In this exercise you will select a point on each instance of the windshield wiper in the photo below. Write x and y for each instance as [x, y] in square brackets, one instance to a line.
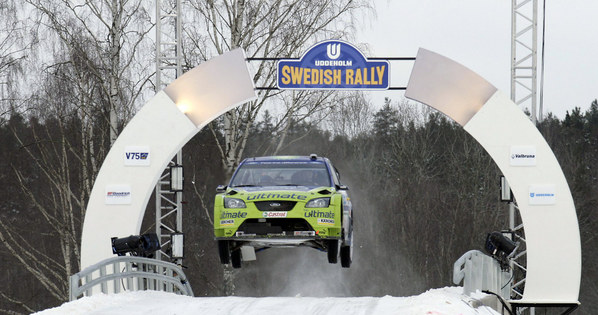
[248, 185]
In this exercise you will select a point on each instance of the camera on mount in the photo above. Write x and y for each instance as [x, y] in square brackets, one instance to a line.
[500, 248]
[136, 245]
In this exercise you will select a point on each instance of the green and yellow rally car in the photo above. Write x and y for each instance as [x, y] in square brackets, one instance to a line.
[282, 201]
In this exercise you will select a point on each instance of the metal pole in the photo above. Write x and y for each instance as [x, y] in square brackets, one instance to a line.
[523, 75]
[168, 58]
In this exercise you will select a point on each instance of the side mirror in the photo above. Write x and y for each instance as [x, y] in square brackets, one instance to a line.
[220, 189]
[342, 187]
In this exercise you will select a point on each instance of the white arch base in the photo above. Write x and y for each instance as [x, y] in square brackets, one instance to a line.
[538, 183]
[158, 131]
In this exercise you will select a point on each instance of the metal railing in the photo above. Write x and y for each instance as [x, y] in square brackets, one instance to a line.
[129, 273]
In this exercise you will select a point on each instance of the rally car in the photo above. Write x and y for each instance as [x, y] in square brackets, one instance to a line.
[282, 201]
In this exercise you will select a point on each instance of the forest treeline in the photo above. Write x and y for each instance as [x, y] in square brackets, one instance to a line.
[424, 193]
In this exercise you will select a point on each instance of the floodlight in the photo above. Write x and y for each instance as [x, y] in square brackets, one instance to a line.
[506, 195]
[176, 178]
[177, 241]
[136, 245]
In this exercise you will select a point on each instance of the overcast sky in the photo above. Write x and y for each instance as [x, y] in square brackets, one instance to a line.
[477, 34]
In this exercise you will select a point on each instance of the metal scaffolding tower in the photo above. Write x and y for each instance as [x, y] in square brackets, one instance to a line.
[169, 210]
[524, 34]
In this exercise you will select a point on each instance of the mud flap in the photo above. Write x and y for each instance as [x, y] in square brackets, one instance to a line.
[248, 253]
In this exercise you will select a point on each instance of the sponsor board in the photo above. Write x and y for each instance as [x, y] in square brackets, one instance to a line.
[326, 221]
[118, 194]
[227, 222]
[137, 156]
[274, 214]
[333, 64]
[542, 195]
[523, 155]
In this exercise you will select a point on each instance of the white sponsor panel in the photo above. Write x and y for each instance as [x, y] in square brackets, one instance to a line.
[326, 221]
[275, 214]
[137, 156]
[523, 155]
[542, 194]
[118, 194]
[227, 222]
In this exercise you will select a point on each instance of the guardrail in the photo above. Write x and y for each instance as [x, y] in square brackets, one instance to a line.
[129, 273]
[479, 271]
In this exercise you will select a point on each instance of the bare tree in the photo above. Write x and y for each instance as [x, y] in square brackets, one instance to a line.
[12, 52]
[90, 74]
[277, 28]
[113, 31]
[351, 116]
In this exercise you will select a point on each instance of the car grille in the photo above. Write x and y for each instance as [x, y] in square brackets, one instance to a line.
[275, 205]
[274, 226]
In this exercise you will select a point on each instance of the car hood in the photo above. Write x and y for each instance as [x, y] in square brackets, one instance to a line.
[278, 192]
[272, 188]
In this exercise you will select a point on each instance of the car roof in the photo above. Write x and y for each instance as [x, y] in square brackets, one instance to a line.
[289, 158]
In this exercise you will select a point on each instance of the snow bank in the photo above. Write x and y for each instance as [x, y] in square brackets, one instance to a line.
[443, 301]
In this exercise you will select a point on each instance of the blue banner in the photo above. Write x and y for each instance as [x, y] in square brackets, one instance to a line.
[332, 64]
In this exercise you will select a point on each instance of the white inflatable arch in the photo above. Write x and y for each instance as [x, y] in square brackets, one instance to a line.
[522, 154]
[165, 124]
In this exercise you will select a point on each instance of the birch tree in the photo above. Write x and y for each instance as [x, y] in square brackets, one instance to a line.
[86, 75]
[12, 53]
[265, 28]
[113, 31]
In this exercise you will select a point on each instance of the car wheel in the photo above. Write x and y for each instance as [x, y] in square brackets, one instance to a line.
[346, 256]
[332, 249]
[224, 251]
[235, 257]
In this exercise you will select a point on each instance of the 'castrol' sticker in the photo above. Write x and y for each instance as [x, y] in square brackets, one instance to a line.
[275, 214]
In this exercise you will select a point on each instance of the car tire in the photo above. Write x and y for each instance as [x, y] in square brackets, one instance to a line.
[224, 251]
[332, 249]
[346, 258]
[235, 257]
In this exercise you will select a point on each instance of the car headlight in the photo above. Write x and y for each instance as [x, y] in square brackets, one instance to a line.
[234, 203]
[318, 203]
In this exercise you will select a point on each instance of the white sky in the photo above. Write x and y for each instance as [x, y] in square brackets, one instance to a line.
[477, 34]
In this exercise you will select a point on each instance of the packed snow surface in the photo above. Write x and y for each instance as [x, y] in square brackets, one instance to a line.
[443, 301]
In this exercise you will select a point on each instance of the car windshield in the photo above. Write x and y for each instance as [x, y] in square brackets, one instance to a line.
[281, 173]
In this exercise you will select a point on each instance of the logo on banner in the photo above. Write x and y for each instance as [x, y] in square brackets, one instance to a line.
[118, 195]
[333, 64]
[333, 51]
[137, 156]
[542, 195]
[523, 156]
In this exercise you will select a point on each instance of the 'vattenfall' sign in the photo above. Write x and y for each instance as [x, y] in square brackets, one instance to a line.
[332, 64]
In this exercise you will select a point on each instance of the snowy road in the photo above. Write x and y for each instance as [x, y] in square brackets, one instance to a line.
[433, 302]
